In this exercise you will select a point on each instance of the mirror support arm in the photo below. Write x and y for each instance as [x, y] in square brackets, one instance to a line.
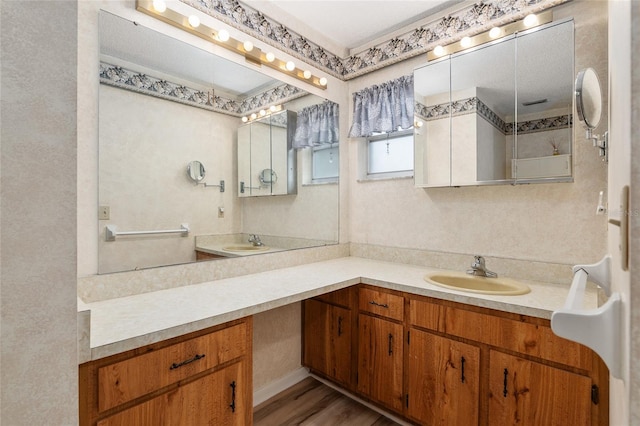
[601, 144]
[221, 185]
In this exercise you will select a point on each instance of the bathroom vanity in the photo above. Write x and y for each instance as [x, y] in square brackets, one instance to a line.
[375, 329]
[438, 362]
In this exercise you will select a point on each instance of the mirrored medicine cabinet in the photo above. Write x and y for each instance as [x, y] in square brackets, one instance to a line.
[266, 157]
[500, 113]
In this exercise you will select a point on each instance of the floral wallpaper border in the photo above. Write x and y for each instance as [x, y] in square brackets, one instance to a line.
[475, 105]
[471, 19]
[127, 79]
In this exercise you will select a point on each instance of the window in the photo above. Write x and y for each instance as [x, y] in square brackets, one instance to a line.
[325, 163]
[391, 154]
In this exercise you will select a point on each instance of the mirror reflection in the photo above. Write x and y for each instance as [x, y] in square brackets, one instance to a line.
[164, 103]
[499, 113]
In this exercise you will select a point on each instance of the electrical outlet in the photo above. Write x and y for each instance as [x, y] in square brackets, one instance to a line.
[220, 212]
[103, 212]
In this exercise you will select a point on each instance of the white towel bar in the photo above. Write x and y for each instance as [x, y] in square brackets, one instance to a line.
[110, 232]
[599, 328]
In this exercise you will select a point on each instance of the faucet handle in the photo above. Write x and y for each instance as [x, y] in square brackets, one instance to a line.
[478, 261]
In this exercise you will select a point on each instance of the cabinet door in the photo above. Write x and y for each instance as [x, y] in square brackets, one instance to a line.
[443, 380]
[380, 360]
[217, 399]
[523, 392]
[327, 342]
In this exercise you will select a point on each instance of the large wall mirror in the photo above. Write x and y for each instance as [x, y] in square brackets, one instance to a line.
[498, 114]
[165, 107]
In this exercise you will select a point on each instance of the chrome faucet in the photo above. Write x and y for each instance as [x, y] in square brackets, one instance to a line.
[479, 269]
[255, 240]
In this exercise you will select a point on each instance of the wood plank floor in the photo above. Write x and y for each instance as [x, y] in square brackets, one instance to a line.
[311, 403]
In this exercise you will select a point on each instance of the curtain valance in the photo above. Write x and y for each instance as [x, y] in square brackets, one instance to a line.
[387, 107]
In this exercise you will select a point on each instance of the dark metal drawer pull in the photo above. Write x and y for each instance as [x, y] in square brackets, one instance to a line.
[505, 392]
[390, 344]
[233, 397]
[378, 304]
[339, 326]
[195, 358]
[462, 378]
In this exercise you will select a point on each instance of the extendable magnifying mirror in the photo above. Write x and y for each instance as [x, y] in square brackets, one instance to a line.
[195, 171]
[589, 107]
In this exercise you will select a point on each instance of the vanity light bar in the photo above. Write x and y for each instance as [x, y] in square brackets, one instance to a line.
[528, 22]
[262, 113]
[252, 54]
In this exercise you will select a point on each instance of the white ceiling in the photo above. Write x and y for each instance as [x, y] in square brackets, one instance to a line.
[349, 23]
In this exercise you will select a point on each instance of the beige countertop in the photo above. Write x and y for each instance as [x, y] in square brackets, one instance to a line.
[125, 323]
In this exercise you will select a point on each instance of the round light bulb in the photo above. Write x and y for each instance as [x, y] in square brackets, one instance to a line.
[248, 46]
[223, 35]
[306, 74]
[263, 113]
[290, 66]
[270, 57]
[254, 116]
[159, 5]
[495, 32]
[323, 81]
[194, 21]
[438, 51]
[530, 20]
[465, 42]
[273, 108]
[245, 119]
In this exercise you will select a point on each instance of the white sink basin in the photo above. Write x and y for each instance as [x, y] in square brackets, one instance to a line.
[475, 284]
[245, 247]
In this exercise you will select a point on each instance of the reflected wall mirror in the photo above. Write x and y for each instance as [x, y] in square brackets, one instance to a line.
[500, 113]
[163, 103]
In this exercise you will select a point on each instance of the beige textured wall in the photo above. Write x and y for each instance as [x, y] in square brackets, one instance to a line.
[543, 222]
[277, 344]
[38, 334]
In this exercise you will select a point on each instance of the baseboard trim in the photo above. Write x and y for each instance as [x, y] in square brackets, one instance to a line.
[365, 403]
[277, 386]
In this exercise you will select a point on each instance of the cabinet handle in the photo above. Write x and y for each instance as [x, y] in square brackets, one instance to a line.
[233, 397]
[189, 361]
[506, 376]
[373, 302]
[339, 326]
[462, 361]
[390, 344]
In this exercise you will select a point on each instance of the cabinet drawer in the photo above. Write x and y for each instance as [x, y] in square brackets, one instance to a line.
[382, 303]
[339, 297]
[518, 336]
[129, 379]
[425, 314]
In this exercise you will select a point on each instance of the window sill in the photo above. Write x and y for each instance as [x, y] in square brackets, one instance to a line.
[383, 178]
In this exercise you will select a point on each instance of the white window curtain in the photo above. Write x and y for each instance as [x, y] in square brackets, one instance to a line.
[317, 125]
[386, 108]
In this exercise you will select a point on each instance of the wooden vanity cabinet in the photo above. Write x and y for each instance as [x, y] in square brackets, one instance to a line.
[529, 393]
[443, 380]
[524, 374]
[433, 361]
[327, 346]
[202, 378]
[380, 355]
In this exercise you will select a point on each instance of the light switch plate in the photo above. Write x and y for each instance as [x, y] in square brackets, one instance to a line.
[103, 212]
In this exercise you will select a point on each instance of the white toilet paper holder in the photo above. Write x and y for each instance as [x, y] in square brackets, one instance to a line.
[599, 328]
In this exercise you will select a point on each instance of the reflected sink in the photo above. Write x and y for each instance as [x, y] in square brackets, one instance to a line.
[245, 247]
[475, 284]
